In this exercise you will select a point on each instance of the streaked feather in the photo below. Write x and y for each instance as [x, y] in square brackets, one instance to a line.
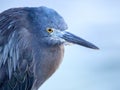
[13, 66]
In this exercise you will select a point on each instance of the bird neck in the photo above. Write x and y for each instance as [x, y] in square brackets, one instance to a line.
[47, 60]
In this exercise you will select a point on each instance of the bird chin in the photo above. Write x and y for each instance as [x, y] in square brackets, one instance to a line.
[64, 42]
[60, 41]
[67, 43]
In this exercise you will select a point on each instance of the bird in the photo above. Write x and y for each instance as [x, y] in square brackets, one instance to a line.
[32, 41]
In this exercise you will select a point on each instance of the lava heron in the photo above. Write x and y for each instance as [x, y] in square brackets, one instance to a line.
[32, 43]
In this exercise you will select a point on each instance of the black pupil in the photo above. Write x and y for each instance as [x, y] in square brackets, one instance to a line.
[50, 30]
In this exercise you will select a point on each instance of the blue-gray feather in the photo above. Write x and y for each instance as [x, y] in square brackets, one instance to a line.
[24, 51]
[14, 73]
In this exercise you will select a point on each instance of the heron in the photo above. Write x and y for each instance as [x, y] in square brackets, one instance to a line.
[32, 41]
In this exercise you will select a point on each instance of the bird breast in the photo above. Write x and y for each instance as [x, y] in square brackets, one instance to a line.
[48, 63]
[52, 59]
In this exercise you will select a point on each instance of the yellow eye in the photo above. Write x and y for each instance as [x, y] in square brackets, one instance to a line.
[50, 30]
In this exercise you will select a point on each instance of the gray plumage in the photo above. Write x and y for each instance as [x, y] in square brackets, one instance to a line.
[32, 46]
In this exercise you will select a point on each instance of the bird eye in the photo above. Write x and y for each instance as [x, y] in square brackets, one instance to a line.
[50, 30]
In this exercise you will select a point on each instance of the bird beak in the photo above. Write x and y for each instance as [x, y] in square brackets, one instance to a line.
[71, 38]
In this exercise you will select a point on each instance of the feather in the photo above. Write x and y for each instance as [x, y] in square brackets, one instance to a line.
[12, 45]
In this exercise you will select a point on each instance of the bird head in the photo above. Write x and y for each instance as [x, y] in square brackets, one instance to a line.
[51, 28]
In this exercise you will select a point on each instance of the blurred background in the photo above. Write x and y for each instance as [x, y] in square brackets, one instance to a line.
[97, 21]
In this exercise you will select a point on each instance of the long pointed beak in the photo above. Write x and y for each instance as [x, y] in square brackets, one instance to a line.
[71, 38]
